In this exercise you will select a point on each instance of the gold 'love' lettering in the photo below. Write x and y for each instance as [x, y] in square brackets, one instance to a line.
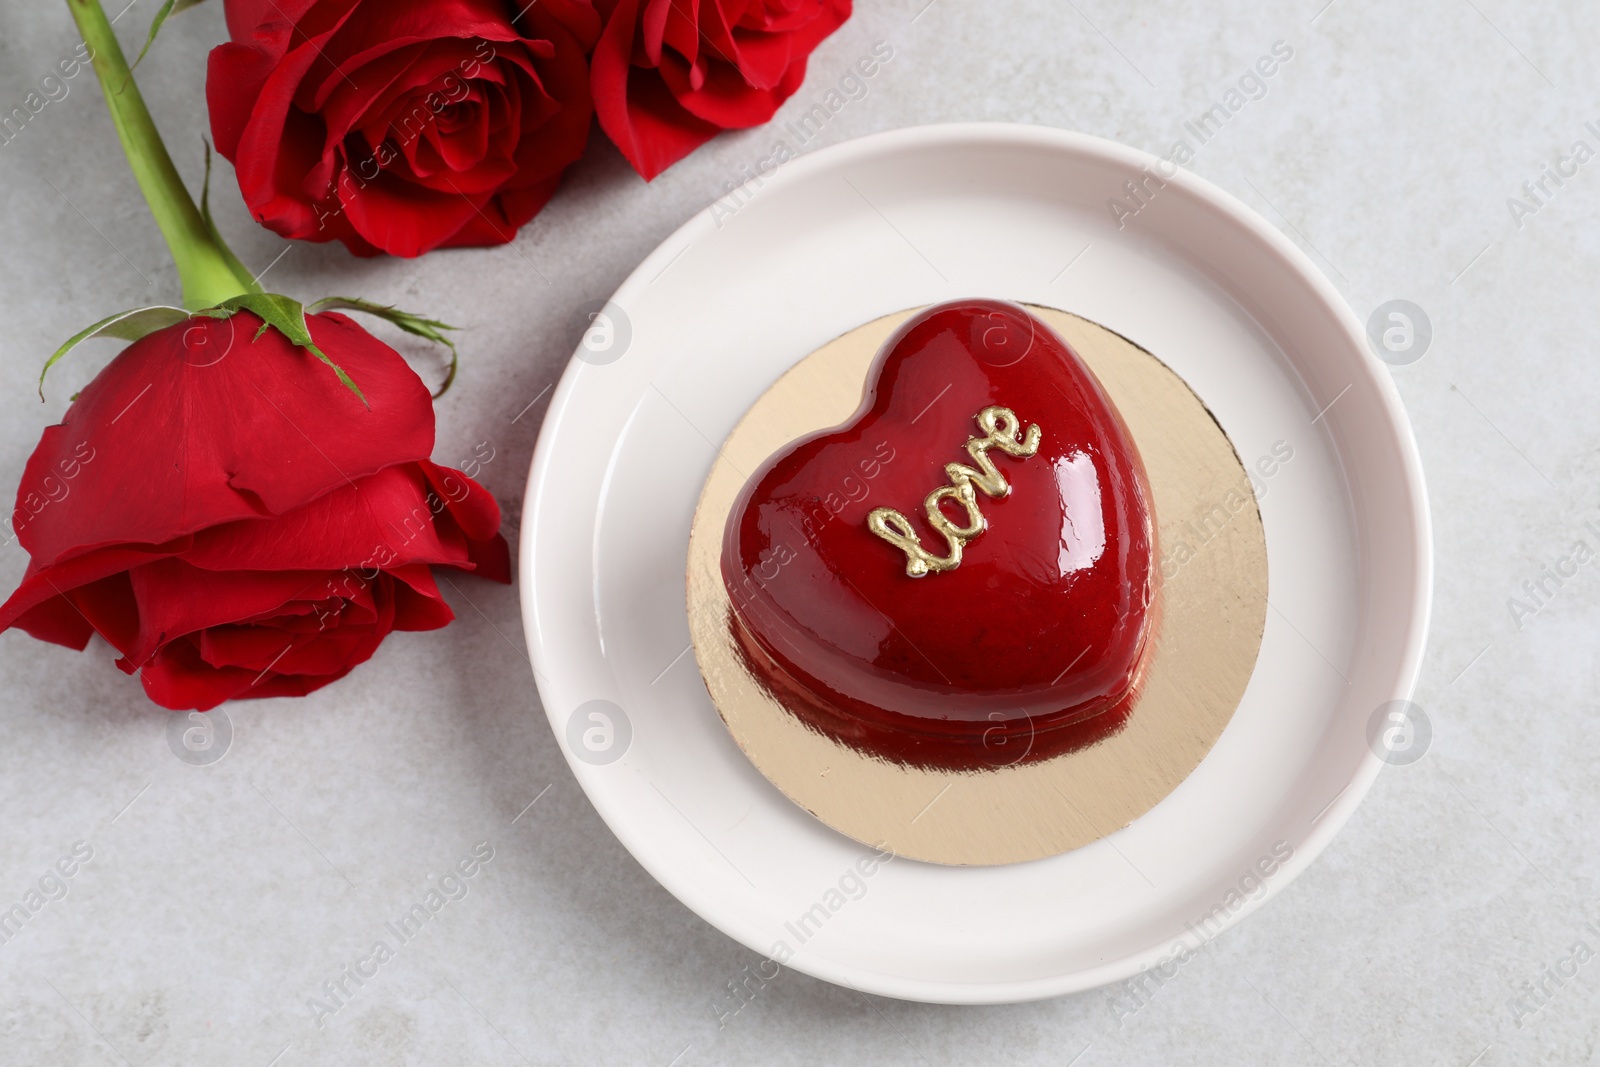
[1003, 430]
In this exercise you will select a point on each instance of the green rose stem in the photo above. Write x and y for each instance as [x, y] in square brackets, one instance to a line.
[207, 270]
[215, 283]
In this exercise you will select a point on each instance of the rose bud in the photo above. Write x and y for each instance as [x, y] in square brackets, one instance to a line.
[237, 523]
[667, 77]
[399, 126]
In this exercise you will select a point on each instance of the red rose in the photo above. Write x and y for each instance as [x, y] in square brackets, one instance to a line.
[400, 125]
[234, 521]
[668, 76]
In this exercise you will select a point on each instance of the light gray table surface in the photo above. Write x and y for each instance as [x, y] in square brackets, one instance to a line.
[219, 899]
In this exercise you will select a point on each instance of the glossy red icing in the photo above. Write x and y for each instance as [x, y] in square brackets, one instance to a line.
[1034, 645]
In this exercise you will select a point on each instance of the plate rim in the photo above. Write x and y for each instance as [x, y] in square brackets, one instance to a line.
[1069, 143]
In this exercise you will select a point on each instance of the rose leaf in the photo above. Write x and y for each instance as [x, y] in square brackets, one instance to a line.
[126, 325]
[410, 322]
[288, 317]
[171, 7]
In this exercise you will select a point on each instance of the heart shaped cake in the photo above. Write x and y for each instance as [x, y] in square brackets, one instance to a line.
[962, 575]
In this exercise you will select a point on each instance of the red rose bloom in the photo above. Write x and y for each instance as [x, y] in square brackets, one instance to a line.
[668, 76]
[235, 522]
[401, 125]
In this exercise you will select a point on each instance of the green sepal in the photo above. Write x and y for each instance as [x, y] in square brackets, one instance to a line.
[239, 270]
[126, 325]
[171, 7]
[286, 316]
[430, 329]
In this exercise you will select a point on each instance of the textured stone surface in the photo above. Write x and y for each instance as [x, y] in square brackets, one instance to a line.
[219, 899]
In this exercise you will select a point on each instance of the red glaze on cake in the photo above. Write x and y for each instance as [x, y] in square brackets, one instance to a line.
[1025, 632]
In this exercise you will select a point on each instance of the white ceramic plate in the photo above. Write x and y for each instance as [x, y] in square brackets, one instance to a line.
[910, 217]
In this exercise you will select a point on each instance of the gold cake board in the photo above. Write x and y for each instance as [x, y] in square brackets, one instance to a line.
[1213, 608]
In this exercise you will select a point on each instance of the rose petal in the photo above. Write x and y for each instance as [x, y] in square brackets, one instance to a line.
[513, 207]
[57, 620]
[638, 113]
[404, 219]
[471, 505]
[259, 164]
[168, 438]
[234, 77]
[177, 598]
[43, 584]
[111, 608]
[244, 16]
[256, 648]
[385, 520]
[289, 685]
[654, 20]
[179, 679]
[417, 602]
